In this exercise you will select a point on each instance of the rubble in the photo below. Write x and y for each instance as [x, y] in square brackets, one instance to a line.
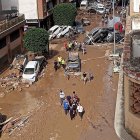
[13, 80]
[10, 125]
[2, 94]
[18, 61]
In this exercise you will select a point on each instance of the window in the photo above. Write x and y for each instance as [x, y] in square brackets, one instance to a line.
[49, 5]
[29, 71]
[136, 6]
[2, 42]
[136, 47]
[14, 35]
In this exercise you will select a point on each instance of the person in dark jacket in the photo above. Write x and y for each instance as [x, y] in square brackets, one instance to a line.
[71, 113]
[55, 65]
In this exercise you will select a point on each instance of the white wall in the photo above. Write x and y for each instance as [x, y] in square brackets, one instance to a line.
[135, 24]
[136, 6]
[28, 8]
[7, 4]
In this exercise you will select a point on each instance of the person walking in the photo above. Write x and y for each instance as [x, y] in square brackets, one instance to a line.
[83, 48]
[66, 106]
[90, 76]
[55, 65]
[102, 20]
[70, 46]
[75, 98]
[71, 113]
[66, 46]
[59, 59]
[79, 46]
[80, 111]
[84, 77]
[69, 99]
[75, 44]
[74, 106]
[62, 96]
[63, 64]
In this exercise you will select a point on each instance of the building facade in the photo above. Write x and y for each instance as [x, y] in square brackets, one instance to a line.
[38, 13]
[131, 68]
[11, 39]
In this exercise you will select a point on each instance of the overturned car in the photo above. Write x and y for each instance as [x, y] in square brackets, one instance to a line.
[100, 35]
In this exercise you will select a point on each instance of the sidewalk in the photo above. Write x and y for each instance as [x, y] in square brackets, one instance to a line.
[119, 112]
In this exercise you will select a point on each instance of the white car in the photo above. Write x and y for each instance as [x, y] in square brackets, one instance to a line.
[31, 71]
[64, 31]
[52, 30]
[55, 33]
[83, 5]
[100, 8]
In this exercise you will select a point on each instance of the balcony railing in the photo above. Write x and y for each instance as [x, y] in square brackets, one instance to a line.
[6, 24]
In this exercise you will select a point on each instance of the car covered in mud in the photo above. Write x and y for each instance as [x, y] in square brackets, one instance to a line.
[73, 63]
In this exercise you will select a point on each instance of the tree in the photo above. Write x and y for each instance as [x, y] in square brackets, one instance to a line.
[64, 14]
[36, 40]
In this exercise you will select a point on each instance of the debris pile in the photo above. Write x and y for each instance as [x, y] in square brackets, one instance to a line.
[13, 79]
[11, 82]
[19, 60]
[9, 126]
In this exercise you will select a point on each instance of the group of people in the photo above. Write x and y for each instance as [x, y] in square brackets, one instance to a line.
[59, 62]
[87, 76]
[71, 105]
[74, 45]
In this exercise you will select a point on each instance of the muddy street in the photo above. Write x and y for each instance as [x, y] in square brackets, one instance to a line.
[48, 121]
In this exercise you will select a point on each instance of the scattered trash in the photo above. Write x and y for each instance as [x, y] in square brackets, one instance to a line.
[10, 125]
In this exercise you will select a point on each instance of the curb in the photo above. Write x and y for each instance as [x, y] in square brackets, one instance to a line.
[119, 111]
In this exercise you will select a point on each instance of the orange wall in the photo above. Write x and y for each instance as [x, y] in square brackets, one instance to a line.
[41, 5]
[11, 45]
[3, 51]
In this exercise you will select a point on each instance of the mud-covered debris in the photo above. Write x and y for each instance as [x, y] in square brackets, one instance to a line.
[2, 94]
[11, 125]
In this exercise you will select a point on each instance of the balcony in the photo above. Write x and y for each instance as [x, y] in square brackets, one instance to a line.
[6, 24]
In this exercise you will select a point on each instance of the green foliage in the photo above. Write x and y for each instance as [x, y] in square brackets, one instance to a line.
[64, 14]
[36, 40]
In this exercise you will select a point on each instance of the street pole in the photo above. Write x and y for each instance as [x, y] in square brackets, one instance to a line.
[114, 49]
[122, 10]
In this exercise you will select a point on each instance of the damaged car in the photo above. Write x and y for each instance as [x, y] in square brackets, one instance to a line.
[100, 35]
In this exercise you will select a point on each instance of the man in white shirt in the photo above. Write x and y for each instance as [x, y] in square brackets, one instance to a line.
[80, 110]
[62, 96]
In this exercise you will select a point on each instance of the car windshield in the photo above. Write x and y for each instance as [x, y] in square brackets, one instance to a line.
[80, 28]
[29, 71]
[83, 5]
[101, 9]
[73, 65]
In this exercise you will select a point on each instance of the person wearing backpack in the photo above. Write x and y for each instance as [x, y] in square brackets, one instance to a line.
[66, 106]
